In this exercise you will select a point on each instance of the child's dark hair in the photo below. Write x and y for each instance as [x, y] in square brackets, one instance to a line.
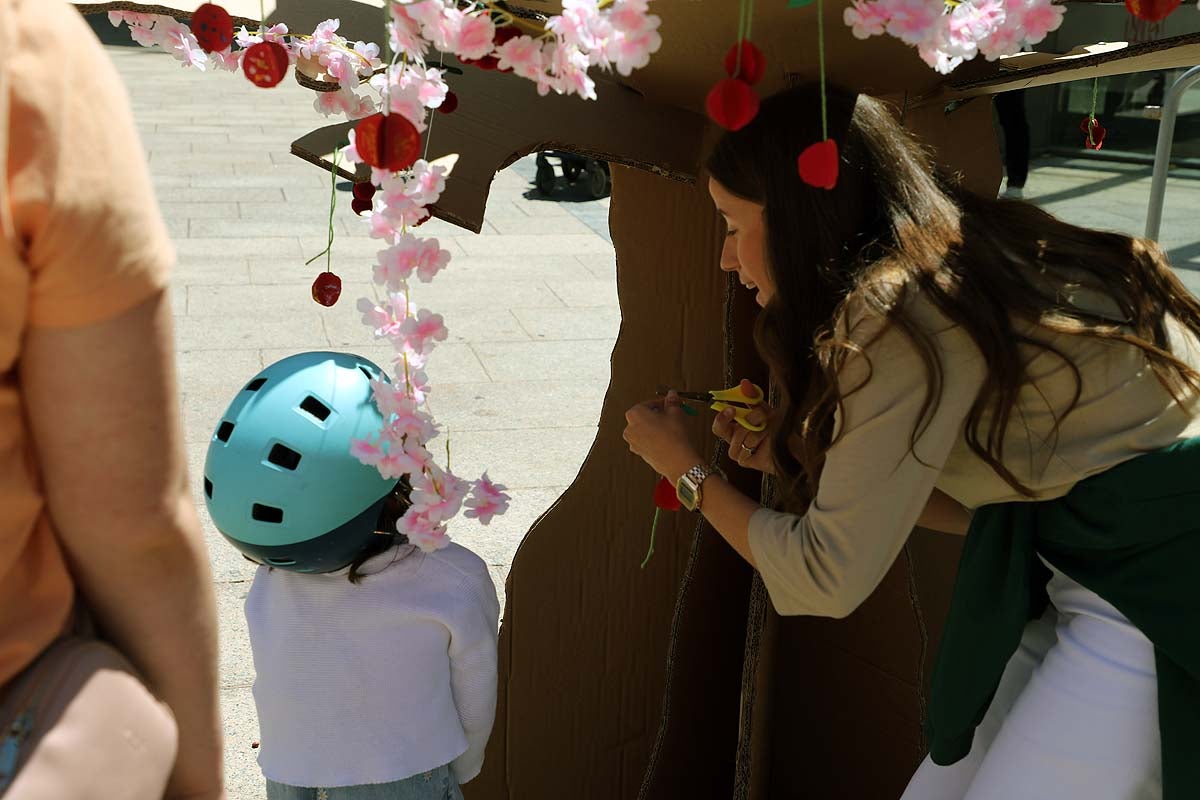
[387, 537]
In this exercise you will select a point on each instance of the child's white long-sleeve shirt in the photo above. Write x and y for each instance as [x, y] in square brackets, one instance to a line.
[379, 681]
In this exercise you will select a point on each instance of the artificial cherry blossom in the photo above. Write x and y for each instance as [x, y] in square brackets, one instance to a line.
[419, 332]
[438, 495]
[422, 532]
[621, 37]
[344, 101]
[486, 501]
[946, 34]
[523, 55]
[409, 254]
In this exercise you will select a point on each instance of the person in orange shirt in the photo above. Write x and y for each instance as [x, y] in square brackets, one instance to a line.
[93, 484]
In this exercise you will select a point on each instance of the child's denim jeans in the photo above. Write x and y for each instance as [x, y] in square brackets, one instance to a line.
[437, 784]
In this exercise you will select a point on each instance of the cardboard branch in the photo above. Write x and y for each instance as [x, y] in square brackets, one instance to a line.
[501, 118]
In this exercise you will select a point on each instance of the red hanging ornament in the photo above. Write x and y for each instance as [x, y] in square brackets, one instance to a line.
[665, 496]
[1093, 139]
[387, 141]
[1152, 10]
[327, 288]
[732, 104]
[265, 63]
[359, 206]
[449, 104]
[818, 164]
[505, 33]
[213, 28]
[753, 65]
[363, 190]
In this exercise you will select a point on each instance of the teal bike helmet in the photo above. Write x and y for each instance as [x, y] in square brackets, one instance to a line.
[279, 479]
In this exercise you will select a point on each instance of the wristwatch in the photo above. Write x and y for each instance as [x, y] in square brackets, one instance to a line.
[687, 489]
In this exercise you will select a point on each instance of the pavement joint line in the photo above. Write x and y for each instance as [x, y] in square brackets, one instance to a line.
[478, 358]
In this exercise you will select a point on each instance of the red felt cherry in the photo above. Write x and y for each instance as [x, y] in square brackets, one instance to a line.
[265, 63]
[753, 66]
[504, 33]
[363, 190]
[327, 288]
[665, 496]
[449, 104]
[1152, 10]
[387, 141]
[359, 206]
[818, 164]
[731, 104]
[1094, 141]
[213, 28]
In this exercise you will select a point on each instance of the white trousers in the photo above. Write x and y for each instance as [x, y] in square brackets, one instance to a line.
[1075, 716]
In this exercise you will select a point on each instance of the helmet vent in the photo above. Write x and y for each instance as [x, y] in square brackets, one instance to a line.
[208, 488]
[283, 456]
[315, 408]
[266, 513]
[224, 431]
[281, 562]
[255, 385]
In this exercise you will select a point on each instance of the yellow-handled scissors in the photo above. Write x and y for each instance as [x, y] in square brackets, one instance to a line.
[721, 399]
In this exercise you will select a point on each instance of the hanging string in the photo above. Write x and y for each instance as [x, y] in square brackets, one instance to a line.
[328, 251]
[821, 62]
[432, 115]
[1092, 115]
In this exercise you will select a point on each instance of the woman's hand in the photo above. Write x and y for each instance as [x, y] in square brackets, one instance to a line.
[657, 431]
[750, 449]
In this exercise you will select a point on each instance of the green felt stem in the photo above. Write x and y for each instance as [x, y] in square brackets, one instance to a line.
[737, 70]
[821, 62]
[653, 530]
[328, 251]
[1092, 115]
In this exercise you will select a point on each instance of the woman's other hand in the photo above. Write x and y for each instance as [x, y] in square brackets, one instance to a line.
[656, 430]
[750, 449]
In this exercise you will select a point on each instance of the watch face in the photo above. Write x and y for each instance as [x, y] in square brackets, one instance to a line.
[687, 494]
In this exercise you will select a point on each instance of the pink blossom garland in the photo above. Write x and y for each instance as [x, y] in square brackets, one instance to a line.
[621, 37]
[946, 34]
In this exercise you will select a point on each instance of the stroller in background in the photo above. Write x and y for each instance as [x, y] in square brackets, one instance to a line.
[595, 175]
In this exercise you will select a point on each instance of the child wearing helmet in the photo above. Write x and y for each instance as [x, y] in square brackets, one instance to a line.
[375, 662]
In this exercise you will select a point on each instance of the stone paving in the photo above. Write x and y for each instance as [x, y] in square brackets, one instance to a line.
[531, 304]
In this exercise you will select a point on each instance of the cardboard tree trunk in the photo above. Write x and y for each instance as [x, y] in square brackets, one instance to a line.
[679, 680]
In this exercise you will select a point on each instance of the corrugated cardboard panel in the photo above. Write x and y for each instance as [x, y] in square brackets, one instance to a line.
[849, 694]
[501, 118]
[983, 78]
[963, 136]
[584, 643]
[696, 751]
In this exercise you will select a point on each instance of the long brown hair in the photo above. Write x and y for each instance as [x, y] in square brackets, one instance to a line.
[891, 215]
[394, 505]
